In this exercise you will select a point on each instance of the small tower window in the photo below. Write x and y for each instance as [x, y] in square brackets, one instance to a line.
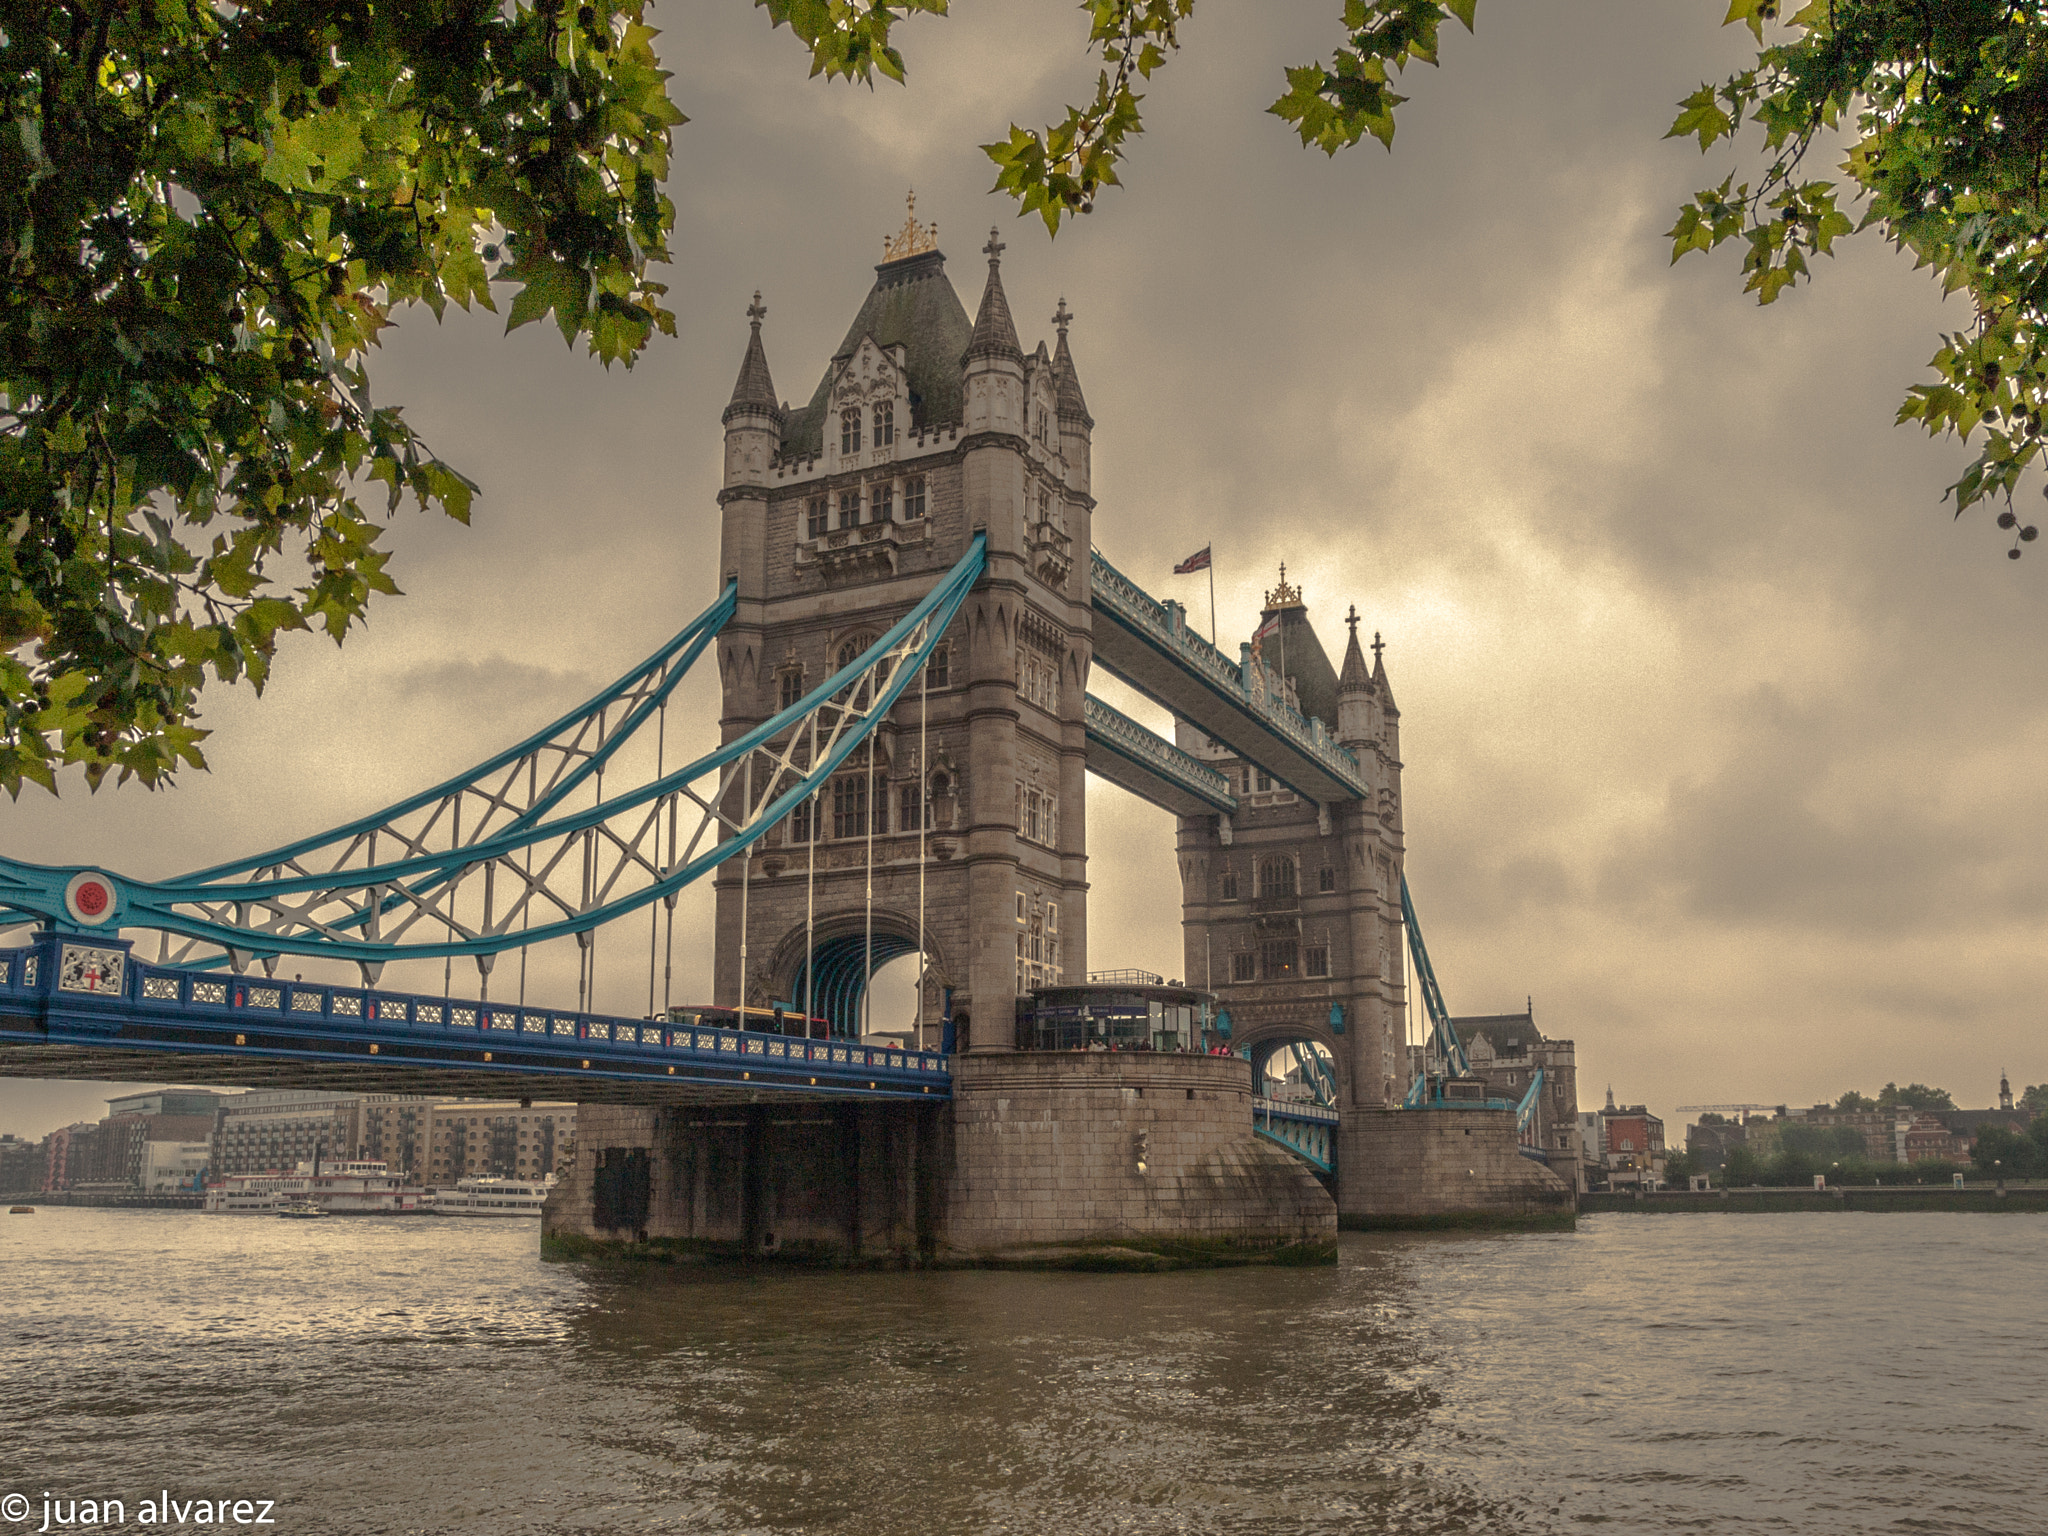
[882, 502]
[792, 686]
[1276, 876]
[1229, 886]
[817, 517]
[913, 498]
[938, 671]
[1315, 960]
[1244, 966]
[849, 430]
[885, 426]
[1326, 879]
[850, 807]
[909, 813]
[849, 509]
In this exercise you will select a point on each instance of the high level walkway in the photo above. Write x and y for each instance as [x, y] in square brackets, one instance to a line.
[1146, 643]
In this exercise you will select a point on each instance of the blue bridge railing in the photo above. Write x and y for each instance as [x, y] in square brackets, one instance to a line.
[68, 991]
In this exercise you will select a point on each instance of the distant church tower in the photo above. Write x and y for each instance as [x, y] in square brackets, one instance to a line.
[838, 516]
[1292, 909]
[2004, 1090]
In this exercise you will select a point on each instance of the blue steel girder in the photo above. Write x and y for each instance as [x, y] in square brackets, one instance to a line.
[1445, 1052]
[1146, 643]
[1151, 767]
[526, 868]
[73, 1005]
[1309, 1131]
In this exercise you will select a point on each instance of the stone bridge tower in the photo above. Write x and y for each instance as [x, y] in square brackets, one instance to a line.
[1292, 910]
[837, 517]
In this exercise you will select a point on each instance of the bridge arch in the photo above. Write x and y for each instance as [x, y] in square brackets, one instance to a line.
[1263, 1041]
[840, 962]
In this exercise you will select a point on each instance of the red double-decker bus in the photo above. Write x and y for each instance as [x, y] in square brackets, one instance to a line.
[765, 1021]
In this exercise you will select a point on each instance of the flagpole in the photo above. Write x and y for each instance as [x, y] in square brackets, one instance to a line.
[1212, 599]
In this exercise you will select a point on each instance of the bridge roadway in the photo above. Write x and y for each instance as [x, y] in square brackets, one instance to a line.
[83, 1008]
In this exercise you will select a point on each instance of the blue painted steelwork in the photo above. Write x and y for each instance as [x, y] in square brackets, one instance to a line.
[1151, 767]
[78, 991]
[1309, 1131]
[1525, 1112]
[1444, 1054]
[561, 872]
[1147, 643]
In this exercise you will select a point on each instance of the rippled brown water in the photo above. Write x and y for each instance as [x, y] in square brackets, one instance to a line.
[1826, 1374]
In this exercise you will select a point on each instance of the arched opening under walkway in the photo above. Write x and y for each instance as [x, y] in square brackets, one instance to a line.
[1295, 1068]
[864, 984]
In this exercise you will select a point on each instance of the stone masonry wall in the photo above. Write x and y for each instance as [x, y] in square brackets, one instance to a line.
[1046, 1147]
[1426, 1167]
[842, 1183]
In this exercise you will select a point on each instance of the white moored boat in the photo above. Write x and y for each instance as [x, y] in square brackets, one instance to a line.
[493, 1197]
[347, 1188]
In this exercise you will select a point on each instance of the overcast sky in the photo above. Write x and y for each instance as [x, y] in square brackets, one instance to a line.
[1722, 739]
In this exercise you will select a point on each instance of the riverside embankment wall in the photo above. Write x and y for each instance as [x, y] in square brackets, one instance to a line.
[1932, 1197]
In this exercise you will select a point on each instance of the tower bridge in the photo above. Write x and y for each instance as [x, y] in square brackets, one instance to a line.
[904, 633]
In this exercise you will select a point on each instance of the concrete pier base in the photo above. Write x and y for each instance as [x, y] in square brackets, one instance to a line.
[1053, 1160]
[1442, 1168]
[1047, 1155]
[827, 1183]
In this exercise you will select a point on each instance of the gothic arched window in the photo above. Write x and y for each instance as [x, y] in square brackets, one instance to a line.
[849, 430]
[885, 426]
[1276, 875]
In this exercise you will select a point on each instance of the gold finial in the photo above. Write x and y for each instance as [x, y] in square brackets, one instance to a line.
[1284, 596]
[1062, 315]
[913, 239]
[757, 311]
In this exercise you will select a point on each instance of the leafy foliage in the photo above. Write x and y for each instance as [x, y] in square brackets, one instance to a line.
[1913, 1096]
[208, 210]
[1853, 1101]
[1949, 107]
[2009, 1154]
[2035, 1102]
[1057, 170]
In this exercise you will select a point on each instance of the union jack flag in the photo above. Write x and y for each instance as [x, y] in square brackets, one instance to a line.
[1198, 561]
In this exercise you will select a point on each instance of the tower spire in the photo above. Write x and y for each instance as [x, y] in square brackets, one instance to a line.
[1354, 678]
[754, 389]
[1072, 405]
[995, 333]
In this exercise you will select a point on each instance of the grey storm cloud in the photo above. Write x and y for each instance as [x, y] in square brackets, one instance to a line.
[1722, 740]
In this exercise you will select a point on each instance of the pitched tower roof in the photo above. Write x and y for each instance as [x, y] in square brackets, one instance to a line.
[995, 333]
[754, 389]
[1298, 655]
[912, 305]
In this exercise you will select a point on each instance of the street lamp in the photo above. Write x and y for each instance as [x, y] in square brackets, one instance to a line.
[1998, 1171]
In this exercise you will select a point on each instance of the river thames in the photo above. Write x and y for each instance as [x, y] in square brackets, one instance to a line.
[1800, 1373]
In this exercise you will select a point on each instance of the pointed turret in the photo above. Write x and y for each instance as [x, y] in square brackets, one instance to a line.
[1073, 405]
[753, 421]
[754, 389]
[1379, 676]
[1354, 692]
[995, 333]
[992, 372]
